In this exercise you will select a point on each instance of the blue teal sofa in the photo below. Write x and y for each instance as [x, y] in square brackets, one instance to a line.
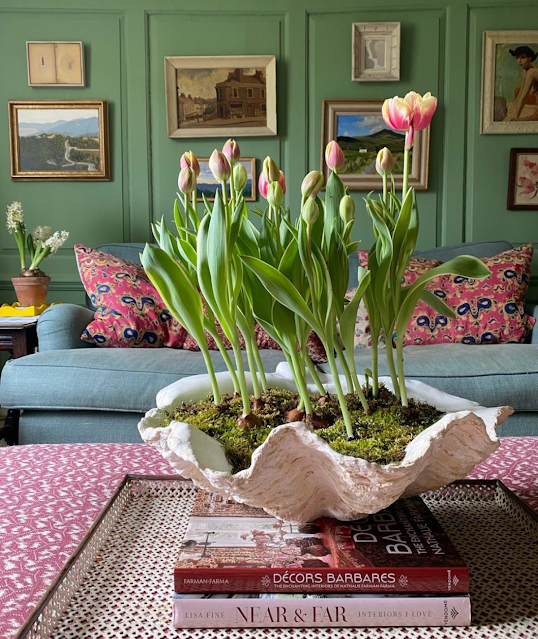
[71, 391]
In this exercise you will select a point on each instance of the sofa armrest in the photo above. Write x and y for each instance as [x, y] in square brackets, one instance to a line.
[532, 310]
[60, 326]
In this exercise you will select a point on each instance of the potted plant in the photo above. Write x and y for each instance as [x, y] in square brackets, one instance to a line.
[291, 278]
[31, 285]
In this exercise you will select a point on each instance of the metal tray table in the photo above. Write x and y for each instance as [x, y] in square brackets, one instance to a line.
[118, 583]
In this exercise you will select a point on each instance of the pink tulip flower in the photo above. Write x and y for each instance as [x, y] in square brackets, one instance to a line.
[334, 157]
[312, 184]
[186, 180]
[425, 107]
[219, 166]
[189, 160]
[263, 185]
[282, 182]
[398, 113]
[231, 151]
[384, 162]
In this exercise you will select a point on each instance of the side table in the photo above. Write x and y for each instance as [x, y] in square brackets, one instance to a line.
[19, 337]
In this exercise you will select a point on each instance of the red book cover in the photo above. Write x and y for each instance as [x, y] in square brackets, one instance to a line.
[230, 547]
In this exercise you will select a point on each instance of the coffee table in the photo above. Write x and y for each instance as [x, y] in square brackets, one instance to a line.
[51, 494]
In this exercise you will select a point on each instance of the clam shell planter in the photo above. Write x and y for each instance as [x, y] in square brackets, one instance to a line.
[296, 476]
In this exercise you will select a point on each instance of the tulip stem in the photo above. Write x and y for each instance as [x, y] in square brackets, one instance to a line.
[405, 174]
[385, 189]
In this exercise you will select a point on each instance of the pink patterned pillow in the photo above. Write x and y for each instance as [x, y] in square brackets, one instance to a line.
[130, 312]
[489, 311]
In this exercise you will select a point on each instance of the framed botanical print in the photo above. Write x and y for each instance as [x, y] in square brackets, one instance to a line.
[523, 180]
[361, 132]
[510, 82]
[59, 139]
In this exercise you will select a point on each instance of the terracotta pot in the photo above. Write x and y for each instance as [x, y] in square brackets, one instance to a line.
[31, 291]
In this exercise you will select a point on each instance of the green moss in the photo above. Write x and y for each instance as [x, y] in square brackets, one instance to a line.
[380, 437]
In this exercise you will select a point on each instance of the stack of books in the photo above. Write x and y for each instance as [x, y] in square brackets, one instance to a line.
[240, 568]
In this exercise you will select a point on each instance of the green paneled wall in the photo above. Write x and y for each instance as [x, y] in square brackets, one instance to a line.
[125, 42]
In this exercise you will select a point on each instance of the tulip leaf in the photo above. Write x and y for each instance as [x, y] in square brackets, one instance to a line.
[281, 289]
[437, 304]
[178, 219]
[349, 316]
[352, 247]
[334, 192]
[187, 252]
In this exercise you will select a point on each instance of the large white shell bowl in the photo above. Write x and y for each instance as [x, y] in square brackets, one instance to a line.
[296, 476]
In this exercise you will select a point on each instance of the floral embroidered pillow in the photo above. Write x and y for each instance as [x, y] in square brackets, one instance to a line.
[130, 312]
[489, 311]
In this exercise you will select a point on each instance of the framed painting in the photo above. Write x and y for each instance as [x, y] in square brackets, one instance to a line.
[523, 180]
[510, 82]
[376, 51]
[225, 96]
[207, 185]
[59, 139]
[55, 64]
[359, 128]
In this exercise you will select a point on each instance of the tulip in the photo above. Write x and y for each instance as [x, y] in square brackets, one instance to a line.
[219, 166]
[263, 184]
[186, 180]
[282, 182]
[347, 209]
[398, 113]
[384, 162]
[334, 157]
[240, 177]
[231, 151]
[271, 170]
[409, 137]
[312, 184]
[275, 194]
[189, 160]
[424, 109]
[310, 211]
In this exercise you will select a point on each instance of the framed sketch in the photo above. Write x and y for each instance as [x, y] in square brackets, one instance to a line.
[510, 82]
[523, 180]
[228, 96]
[59, 139]
[207, 185]
[376, 51]
[359, 128]
[55, 64]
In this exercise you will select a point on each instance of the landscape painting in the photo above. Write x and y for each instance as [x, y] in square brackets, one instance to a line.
[359, 129]
[63, 140]
[223, 96]
[207, 185]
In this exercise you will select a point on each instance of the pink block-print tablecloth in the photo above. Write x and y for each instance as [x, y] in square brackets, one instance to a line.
[51, 494]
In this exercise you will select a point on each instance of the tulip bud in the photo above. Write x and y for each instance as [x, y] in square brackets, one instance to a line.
[263, 185]
[275, 194]
[231, 151]
[334, 157]
[282, 182]
[384, 162]
[347, 209]
[271, 170]
[189, 160]
[240, 177]
[186, 180]
[219, 166]
[312, 184]
[310, 211]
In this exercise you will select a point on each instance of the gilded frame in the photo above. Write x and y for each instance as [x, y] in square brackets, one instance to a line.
[37, 118]
[367, 114]
[195, 116]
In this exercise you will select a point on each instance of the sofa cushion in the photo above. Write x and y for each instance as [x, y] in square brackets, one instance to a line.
[130, 312]
[124, 379]
[493, 375]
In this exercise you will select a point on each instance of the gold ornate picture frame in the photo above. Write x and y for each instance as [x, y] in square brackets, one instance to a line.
[225, 96]
[55, 64]
[59, 139]
[359, 128]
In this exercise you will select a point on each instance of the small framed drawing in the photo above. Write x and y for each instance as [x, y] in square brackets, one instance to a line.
[510, 82]
[55, 64]
[225, 96]
[207, 185]
[359, 128]
[59, 139]
[523, 180]
[376, 51]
